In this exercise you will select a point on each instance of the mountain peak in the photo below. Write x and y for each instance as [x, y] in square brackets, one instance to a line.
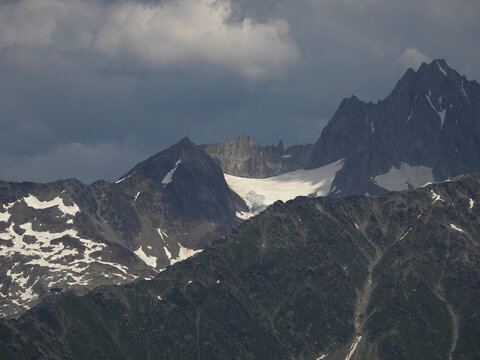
[437, 66]
[185, 142]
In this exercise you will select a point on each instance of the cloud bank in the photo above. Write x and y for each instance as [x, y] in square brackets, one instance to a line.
[89, 87]
[161, 34]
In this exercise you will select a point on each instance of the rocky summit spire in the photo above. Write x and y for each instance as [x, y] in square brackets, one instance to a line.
[426, 129]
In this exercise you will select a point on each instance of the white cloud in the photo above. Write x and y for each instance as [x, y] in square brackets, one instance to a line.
[181, 31]
[198, 30]
[413, 58]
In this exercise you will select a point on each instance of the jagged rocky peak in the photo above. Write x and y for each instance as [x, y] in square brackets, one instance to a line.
[425, 130]
[186, 191]
[157, 166]
[245, 157]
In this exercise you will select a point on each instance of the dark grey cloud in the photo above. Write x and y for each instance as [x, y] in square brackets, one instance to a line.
[79, 101]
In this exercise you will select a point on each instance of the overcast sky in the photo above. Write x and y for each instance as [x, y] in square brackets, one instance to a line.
[90, 87]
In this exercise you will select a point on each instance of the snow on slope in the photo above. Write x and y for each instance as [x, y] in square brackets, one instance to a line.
[147, 259]
[168, 178]
[39, 260]
[35, 203]
[398, 179]
[260, 193]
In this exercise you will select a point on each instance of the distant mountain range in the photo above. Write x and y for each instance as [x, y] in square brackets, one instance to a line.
[390, 277]
[64, 236]
[427, 129]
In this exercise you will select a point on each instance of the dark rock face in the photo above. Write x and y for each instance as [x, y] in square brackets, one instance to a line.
[394, 276]
[72, 236]
[244, 157]
[427, 129]
[431, 119]
[183, 188]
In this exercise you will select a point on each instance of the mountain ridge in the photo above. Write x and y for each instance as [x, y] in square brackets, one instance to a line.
[427, 129]
[66, 235]
[429, 119]
[176, 202]
[293, 282]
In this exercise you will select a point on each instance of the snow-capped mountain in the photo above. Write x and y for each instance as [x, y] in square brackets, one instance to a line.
[386, 277]
[67, 235]
[427, 129]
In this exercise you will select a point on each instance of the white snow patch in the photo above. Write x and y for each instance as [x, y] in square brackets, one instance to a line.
[218, 281]
[136, 196]
[397, 179]
[410, 116]
[286, 156]
[64, 263]
[243, 215]
[168, 253]
[159, 297]
[10, 205]
[357, 226]
[436, 197]
[70, 221]
[183, 254]
[35, 203]
[4, 216]
[168, 178]
[147, 259]
[123, 179]
[323, 356]
[162, 234]
[406, 233]
[472, 203]
[442, 114]
[463, 90]
[260, 193]
[188, 283]
[454, 227]
[441, 69]
[353, 347]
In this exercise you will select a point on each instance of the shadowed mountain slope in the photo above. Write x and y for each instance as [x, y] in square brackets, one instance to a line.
[388, 277]
[67, 235]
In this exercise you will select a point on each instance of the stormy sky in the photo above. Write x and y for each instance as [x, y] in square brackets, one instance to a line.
[90, 87]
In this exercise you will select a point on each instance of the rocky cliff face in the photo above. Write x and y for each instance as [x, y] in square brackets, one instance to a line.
[388, 277]
[69, 236]
[244, 157]
[427, 129]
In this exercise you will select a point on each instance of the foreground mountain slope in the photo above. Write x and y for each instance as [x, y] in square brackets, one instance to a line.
[427, 129]
[389, 277]
[68, 235]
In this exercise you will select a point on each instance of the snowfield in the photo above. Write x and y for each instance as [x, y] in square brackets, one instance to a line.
[260, 193]
[398, 179]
